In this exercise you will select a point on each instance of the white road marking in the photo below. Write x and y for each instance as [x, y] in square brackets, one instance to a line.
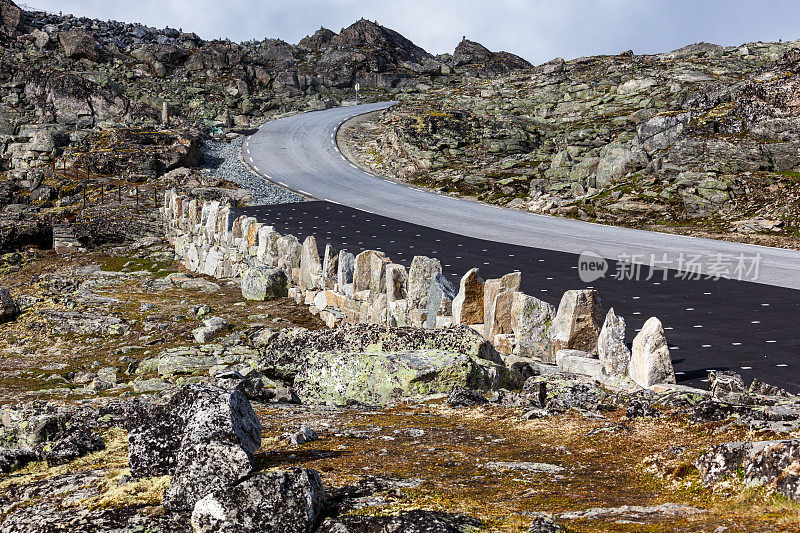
[301, 191]
[256, 168]
[282, 183]
[746, 367]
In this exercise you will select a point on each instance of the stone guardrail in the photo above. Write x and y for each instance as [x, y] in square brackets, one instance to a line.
[368, 287]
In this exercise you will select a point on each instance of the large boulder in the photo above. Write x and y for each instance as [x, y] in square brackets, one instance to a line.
[611, 348]
[577, 323]
[280, 502]
[262, 283]
[531, 319]
[204, 437]
[288, 352]
[78, 45]
[776, 464]
[468, 303]
[650, 362]
[382, 378]
[8, 307]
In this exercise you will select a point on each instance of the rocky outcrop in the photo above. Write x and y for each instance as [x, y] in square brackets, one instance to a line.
[386, 377]
[477, 60]
[204, 437]
[286, 502]
[78, 45]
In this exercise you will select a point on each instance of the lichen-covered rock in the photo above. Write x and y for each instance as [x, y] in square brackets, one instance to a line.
[212, 326]
[363, 269]
[531, 319]
[726, 386]
[262, 283]
[578, 362]
[75, 445]
[408, 522]
[776, 464]
[560, 392]
[611, 348]
[282, 502]
[205, 437]
[725, 459]
[650, 361]
[385, 377]
[288, 352]
[577, 323]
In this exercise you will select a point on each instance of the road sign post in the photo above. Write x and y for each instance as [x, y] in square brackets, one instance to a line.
[357, 87]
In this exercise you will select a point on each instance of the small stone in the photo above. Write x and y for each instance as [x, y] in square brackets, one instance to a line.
[464, 397]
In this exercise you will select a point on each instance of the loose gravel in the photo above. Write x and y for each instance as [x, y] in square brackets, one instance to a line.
[222, 160]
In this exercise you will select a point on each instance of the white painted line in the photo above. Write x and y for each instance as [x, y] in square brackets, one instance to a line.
[782, 365]
[282, 183]
[771, 342]
[256, 168]
[736, 344]
[746, 367]
[706, 346]
[251, 159]
[301, 191]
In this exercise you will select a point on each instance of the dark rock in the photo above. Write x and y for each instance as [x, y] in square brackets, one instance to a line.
[204, 437]
[10, 16]
[640, 408]
[78, 45]
[562, 392]
[15, 459]
[74, 446]
[464, 397]
[8, 307]
[408, 522]
[282, 502]
[262, 283]
[482, 62]
[544, 523]
[777, 464]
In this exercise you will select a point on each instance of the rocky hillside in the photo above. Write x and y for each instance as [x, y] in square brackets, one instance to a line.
[704, 136]
[89, 99]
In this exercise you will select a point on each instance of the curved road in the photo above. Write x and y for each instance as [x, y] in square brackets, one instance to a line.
[300, 153]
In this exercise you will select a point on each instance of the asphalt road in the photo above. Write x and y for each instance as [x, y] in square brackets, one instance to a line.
[711, 323]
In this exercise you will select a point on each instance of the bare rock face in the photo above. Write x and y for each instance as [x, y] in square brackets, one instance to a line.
[204, 437]
[396, 283]
[422, 270]
[479, 60]
[531, 319]
[650, 362]
[468, 303]
[287, 502]
[611, 348]
[344, 269]
[578, 322]
[10, 16]
[78, 45]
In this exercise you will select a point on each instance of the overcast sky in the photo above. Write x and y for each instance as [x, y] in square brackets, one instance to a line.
[538, 30]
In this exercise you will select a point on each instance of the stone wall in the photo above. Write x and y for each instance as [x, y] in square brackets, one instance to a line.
[342, 287]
